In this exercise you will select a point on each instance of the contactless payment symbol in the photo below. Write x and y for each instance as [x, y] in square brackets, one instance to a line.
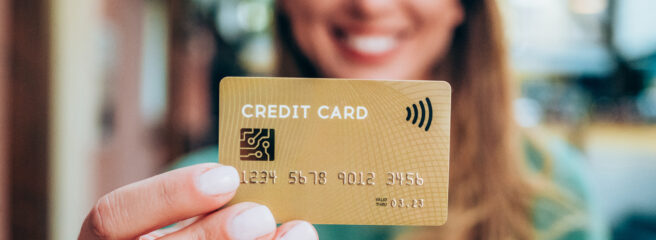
[257, 144]
[414, 114]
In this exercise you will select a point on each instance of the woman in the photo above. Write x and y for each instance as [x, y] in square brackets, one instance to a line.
[458, 41]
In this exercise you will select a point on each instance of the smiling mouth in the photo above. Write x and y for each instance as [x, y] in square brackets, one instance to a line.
[367, 45]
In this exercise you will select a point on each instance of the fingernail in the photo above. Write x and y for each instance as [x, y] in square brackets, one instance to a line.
[302, 231]
[223, 179]
[252, 223]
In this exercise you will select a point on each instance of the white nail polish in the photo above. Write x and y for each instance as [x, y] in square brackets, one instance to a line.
[252, 223]
[223, 179]
[302, 231]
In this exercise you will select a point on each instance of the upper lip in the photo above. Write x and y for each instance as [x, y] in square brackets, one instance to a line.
[368, 30]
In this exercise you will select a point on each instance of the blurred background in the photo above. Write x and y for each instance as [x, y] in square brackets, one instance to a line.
[95, 94]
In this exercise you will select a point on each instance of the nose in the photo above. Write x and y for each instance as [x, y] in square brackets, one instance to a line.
[372, 8]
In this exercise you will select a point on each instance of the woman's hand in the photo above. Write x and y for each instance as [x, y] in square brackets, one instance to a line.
[196, 191]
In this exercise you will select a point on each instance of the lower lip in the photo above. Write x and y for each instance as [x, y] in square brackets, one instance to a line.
[362, 57]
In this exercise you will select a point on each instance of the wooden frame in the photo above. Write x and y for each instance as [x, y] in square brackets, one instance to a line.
[28, 94]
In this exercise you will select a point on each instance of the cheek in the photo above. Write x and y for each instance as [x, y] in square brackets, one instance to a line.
[307, 19]
[447, 12]
[306, 37]
[436, 21]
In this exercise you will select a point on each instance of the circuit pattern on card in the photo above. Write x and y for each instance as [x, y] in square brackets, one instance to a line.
[257, 144]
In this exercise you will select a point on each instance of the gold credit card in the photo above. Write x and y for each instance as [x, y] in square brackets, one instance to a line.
[339, 151]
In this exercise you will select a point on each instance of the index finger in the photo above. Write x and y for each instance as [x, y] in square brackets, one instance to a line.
[158, 201]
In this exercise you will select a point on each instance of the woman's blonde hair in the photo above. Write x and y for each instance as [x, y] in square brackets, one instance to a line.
[489, 197]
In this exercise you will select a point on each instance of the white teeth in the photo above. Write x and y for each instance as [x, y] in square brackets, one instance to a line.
[371, 44]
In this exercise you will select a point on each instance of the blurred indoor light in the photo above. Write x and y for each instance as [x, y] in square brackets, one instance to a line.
[227, 22]
[634, 33]
[253, 16]
[588, 6]
[257, 55]
[237, 19]
[528, 112]
[153, 99]
[531, 3]
[646, 103]
[547, 38]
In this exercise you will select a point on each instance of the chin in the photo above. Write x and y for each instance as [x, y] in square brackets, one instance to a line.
[369, 73]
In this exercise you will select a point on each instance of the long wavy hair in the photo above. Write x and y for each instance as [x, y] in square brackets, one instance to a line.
[489, 196]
